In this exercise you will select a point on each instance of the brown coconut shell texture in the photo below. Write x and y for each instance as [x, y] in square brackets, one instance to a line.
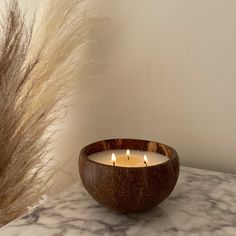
[128, 190]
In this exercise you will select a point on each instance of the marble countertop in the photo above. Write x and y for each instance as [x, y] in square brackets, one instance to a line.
[203, 203]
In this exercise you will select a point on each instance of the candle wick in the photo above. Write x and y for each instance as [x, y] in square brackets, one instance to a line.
[145, 163]
[114, 164]
[128, 157]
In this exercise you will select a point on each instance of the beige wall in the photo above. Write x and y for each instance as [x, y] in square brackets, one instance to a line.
[173, 80]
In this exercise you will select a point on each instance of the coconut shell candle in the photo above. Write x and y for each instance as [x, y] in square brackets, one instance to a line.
[129, 175]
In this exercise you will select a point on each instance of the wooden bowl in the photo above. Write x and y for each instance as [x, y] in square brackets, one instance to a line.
[124, 189]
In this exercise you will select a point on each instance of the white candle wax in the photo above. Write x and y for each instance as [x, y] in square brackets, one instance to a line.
[136, 158]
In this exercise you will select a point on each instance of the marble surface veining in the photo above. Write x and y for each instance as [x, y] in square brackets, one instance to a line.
[203, 203]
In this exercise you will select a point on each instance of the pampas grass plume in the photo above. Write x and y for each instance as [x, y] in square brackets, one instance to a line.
[37, 68]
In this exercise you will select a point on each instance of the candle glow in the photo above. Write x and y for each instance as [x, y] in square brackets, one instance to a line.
[128, 153]
[118, 157]
[145, 159]
[113, 159]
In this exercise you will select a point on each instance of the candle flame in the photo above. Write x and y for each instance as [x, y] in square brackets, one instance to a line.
[113, 158]
[145, 159]
[128, 152]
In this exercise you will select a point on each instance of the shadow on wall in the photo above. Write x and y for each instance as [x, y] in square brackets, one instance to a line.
[172, 79]
[165, 72]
